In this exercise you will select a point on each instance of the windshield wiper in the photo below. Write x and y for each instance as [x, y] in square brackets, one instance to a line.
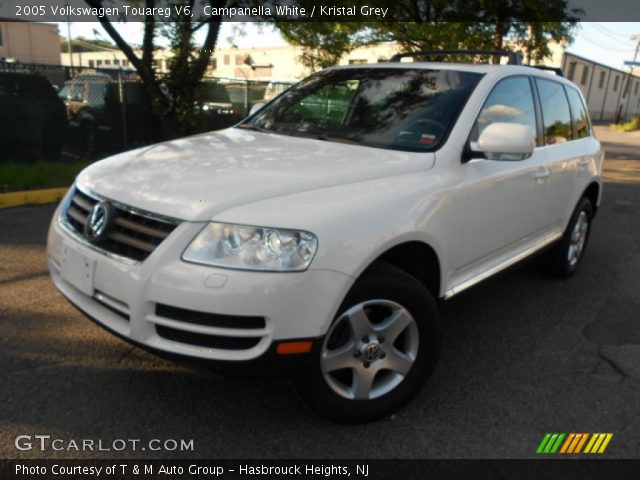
[298, 133]
[331, 138]
[253, 128]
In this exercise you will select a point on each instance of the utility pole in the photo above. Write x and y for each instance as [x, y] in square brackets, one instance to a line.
[69, 43]
[627, 89]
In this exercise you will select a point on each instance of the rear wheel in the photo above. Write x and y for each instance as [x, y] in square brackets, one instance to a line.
[379, 351]
[563, 260]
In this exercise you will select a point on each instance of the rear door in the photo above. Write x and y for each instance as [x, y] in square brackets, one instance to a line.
[589, 165]
[564, 154]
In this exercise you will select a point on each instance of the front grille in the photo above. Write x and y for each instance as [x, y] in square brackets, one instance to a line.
[133, 235]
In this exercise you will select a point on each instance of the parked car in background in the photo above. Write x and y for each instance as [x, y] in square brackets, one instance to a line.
[128, 120]
[318, 234]
[215, 108]
[33, 118]
[84, 97]
[244, 95]
[108, 115]
[85, 90]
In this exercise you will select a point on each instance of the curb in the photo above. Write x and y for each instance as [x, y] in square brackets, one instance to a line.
[16, 199]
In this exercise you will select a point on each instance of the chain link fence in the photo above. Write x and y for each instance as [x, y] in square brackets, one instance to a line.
[56, 112]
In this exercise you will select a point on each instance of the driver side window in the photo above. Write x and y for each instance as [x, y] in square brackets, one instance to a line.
[511, 101]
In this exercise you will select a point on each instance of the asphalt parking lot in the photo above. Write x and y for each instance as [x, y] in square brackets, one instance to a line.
[522, 355]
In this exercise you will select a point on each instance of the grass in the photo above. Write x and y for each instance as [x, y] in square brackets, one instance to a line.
[630, 126]
[16, 176]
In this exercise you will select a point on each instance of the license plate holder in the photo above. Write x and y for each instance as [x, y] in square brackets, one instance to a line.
[78, 270]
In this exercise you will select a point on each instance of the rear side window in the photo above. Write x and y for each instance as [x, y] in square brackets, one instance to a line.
[581, 127]
[511, 101]
[96, 93]
[73, 91]
[556, 115]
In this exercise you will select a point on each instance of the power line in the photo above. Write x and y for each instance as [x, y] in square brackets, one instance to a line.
[606, 32]
[605, 29]
[606, 47]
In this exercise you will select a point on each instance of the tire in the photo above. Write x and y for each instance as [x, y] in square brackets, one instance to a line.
[565, 258]
[384, 302]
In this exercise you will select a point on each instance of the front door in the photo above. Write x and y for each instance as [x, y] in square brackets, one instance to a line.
[506, 200]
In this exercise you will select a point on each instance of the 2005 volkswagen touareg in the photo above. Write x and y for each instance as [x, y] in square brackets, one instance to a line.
[321, 230]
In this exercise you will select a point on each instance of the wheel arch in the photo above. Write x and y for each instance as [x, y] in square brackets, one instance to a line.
[418, 259]
[592, 192]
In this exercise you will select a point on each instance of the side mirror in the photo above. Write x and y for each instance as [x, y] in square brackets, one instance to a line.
[506, 141]
[255, 107]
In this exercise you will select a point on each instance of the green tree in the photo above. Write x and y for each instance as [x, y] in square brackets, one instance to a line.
[525, 24]
[172, 95]
[323, 43]
[441, 24]
[433, 35]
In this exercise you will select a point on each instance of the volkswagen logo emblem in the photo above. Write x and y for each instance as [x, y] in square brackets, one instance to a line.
[95, 228]
[371, 352]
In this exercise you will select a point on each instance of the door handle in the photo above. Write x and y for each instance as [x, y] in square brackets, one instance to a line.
[542, 174]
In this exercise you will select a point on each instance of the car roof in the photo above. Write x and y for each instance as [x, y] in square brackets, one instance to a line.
[91, 77]
[470, 67]
[497, 71]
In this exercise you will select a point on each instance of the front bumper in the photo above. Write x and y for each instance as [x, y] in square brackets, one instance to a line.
[131, 300]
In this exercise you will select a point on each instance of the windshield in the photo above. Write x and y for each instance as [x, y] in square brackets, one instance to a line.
[394, 108]
[71, 91]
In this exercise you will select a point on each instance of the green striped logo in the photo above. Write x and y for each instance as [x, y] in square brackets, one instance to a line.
[573, 443]
[550, 443]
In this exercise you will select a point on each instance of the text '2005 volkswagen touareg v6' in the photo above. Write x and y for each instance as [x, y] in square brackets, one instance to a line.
[320, 231]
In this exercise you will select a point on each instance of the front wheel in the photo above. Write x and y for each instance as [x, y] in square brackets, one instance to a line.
[379, 351]
[563, 260]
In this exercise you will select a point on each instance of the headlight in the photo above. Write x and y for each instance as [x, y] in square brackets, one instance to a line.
[252, 248]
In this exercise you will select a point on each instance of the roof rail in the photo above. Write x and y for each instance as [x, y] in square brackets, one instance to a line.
[514, 57]
[558, 71]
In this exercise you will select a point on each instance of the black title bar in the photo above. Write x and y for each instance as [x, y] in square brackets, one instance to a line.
[316, 469]
[321, 10]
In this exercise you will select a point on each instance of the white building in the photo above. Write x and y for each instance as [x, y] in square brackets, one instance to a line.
[604, 87]
[29, 42]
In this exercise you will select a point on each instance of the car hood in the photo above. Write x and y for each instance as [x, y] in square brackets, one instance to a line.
[197, 177]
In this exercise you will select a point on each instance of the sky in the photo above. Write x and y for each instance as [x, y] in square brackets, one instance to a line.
[608, 43]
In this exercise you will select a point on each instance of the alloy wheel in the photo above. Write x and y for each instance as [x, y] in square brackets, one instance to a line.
[578, 238]
[370, 349]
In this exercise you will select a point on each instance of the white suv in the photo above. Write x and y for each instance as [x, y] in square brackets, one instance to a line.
[317, 234]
